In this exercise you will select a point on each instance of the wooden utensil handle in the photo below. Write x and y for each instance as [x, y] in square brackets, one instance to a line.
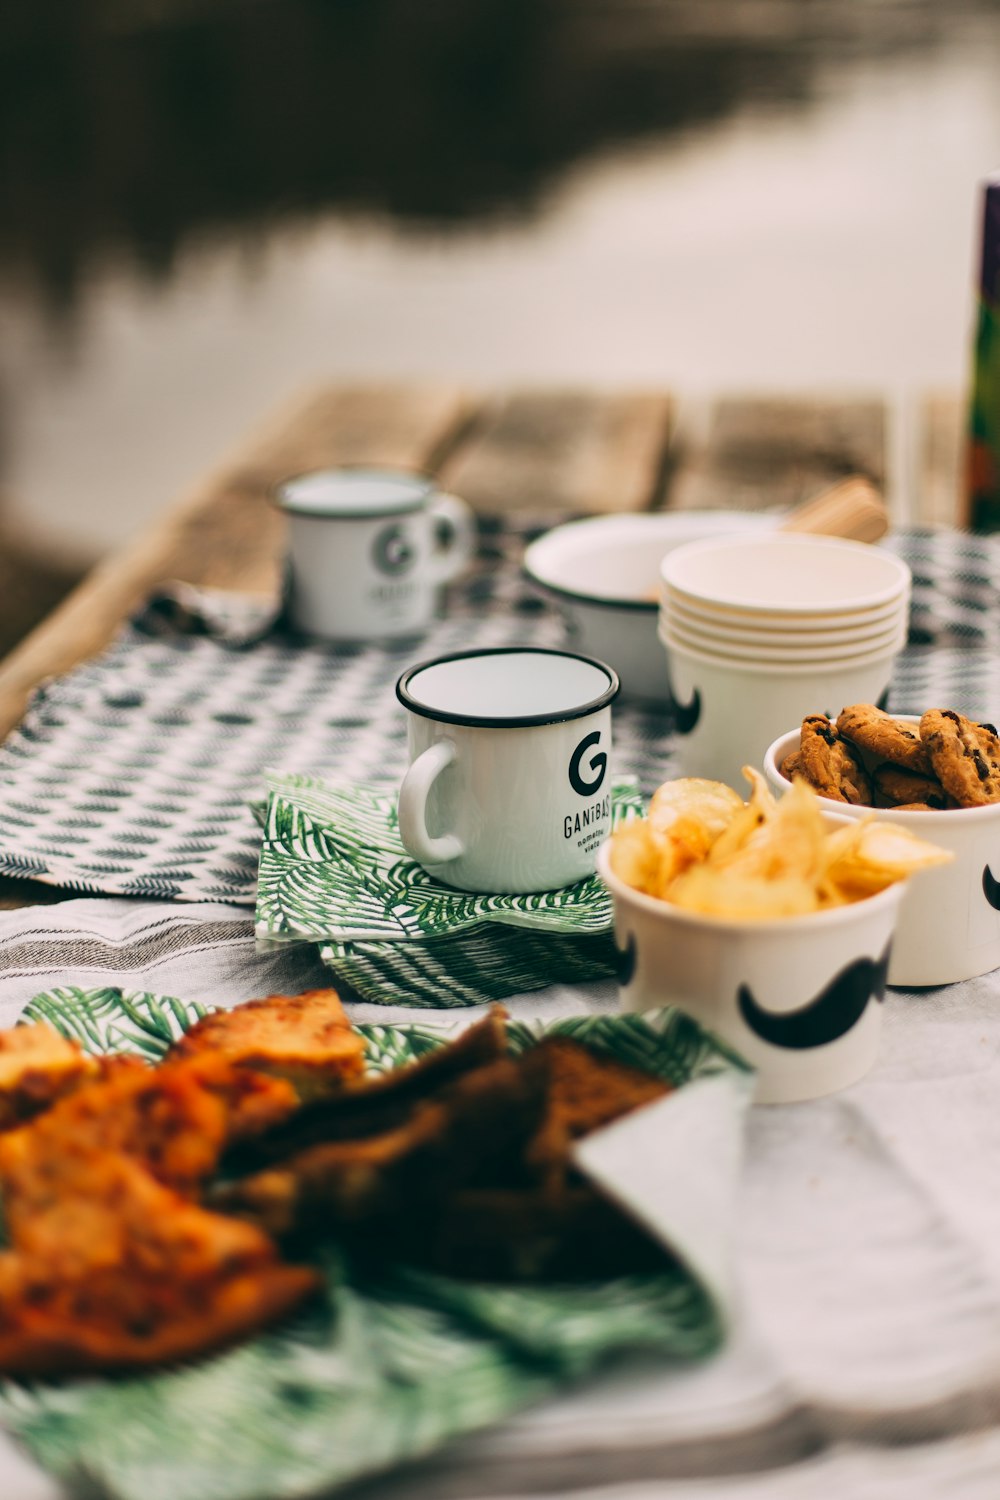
[853, 509]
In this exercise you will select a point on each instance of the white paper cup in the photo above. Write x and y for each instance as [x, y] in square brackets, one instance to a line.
[798, 997]
[949, 921]
[768, 621]
[781, 638]
[727, 712]
[785, 574]
[784, 627]
[790, 652]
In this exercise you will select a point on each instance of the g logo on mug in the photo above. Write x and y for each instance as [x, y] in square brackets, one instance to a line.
[392, 552]
[598, 764]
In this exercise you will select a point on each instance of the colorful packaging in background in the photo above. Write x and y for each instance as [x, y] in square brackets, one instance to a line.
[983, 475]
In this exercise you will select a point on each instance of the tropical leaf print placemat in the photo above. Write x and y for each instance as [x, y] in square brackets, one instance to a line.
[474, 968]
[389, 1366]
[333, 870]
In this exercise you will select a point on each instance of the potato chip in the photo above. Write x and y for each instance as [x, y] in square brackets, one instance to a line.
[649, 860]
[882, 854]
[723, 893]
[788, 843]
[709, 852]
[637, 852]
[711, 802]
[749, 817]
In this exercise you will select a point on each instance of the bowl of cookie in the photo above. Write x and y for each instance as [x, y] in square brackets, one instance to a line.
[936, 774]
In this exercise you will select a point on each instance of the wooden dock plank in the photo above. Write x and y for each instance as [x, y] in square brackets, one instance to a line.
[756, 452]
[225, 533]
[582, 451]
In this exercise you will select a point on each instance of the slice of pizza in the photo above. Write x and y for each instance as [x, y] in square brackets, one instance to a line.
[37, 1067]
[114, 1270]
[175, 1119]
[306, 1039]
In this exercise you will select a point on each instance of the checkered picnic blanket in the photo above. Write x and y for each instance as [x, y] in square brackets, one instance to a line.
[132, 774]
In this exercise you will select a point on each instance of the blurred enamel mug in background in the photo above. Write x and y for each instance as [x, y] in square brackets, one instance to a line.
[369, 549]
[509, 786]
[798, 997]
[949, 922]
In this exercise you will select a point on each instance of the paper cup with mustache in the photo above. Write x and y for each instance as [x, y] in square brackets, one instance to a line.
[800, 998]
[369, 550]
[949, 921]
[726, 710]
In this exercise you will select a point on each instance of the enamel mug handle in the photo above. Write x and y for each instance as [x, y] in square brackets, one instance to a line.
[455, 526]
[412, 807]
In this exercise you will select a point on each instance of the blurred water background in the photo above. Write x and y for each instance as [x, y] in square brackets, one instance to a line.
[208, 204]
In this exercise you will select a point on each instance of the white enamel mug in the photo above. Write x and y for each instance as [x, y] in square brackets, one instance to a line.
[509, 787]
[369, 549]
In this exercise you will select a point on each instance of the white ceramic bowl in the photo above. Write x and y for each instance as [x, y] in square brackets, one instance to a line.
[798, 997]
[949, 922]
[727, 712]
[604, 573]
[785, 575]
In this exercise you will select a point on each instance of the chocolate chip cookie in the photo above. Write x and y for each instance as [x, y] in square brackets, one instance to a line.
[831, 764]
[884, 737]
[902, 788]
[965, 756]
[791, 766]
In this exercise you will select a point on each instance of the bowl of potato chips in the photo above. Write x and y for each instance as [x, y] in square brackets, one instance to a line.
[770, 921]
[949, 921]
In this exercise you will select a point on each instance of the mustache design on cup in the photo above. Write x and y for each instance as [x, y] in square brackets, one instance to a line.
[508, 788]
[686, 715]
[625, 961]
[991, 888]
[835, 1010]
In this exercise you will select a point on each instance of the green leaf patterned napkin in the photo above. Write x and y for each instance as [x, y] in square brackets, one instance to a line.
[472, 968]
[333, 870]
[391, 1365]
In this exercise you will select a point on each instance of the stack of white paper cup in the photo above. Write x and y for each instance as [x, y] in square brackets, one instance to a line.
[761, 630]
